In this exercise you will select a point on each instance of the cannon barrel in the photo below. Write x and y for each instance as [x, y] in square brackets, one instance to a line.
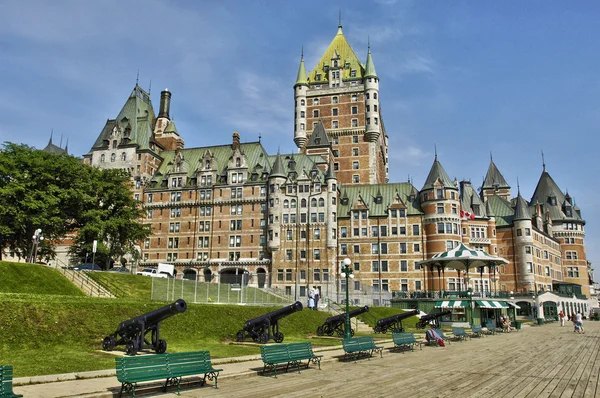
[396, 318]
[151, 318]
[273, 316]
[351, 314]
[429, 317]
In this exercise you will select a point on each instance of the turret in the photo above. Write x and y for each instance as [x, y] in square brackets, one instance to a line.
[372, 116]
[522, 232]
[276, 181]
[331, 203]
[300, 90]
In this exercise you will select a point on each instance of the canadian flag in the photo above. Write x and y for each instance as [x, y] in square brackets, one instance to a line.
[466, 214]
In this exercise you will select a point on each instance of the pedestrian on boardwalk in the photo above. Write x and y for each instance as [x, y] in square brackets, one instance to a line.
[317, 295]
[579, 320]
[561, 315]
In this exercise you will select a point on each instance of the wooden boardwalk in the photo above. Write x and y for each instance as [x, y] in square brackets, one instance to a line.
[546, 361]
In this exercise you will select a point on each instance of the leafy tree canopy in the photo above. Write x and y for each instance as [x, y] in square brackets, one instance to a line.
[66, 200]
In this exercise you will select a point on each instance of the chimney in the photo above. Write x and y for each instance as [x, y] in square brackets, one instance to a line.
[165, 104]
[236, 140]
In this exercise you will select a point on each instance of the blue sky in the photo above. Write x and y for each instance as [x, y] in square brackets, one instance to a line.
[513, 77]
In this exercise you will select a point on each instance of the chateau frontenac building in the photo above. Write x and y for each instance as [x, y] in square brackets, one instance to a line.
[288, 220]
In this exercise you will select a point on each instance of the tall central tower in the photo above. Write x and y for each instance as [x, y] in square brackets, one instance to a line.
[343, 93]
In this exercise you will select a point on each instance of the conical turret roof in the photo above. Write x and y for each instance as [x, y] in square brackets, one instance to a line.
[370, 66]
[318, 137]
[302, 76]
[437, 172]
[493, 178]
[330, 173]
[278, 169]
[521, 209]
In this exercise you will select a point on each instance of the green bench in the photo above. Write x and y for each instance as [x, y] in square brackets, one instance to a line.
[6, 382]
[289, 354]
[354, 347]
[477, 331]
[460, 333]
[171, 367]
[405, 341]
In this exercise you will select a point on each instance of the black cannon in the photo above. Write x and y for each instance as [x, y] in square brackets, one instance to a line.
[336, 323]
[266, 327]
[393, 323]
[132, 333]
[431, 319]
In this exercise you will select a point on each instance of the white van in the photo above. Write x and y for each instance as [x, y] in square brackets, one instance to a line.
[163, 271]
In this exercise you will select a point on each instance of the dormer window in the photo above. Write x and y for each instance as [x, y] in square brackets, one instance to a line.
[207, 165]
[335, 64]
[353, 73]
[317, 141]
[238, 162]
[318, 77]
[568, 212]
[552, 200]
[114, 144]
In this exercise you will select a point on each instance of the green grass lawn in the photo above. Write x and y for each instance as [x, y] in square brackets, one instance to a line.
[34, 278]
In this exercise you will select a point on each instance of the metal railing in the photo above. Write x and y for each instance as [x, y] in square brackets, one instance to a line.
[85, 283]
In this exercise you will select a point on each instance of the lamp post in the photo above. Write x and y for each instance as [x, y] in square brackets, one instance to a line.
[37, 238]
[470, 294]
[347, 271]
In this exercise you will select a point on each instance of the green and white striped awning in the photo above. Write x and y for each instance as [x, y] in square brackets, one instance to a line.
[491, 304]
[450, 304]
[463, 258]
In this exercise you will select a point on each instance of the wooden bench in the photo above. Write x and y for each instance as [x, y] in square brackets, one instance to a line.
[477, 331]
[357, 346]
[6, 382]
[405, 341]
[460, 333]
[290, 354]
[440, 333]
[491, 327]
[171, 367]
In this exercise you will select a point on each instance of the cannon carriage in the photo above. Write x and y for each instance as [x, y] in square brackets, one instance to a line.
[393, 323]
[335, 324]
[132, 333]
[431, 319]
[266, 327]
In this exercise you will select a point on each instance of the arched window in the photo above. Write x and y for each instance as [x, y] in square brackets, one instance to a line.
[313, 202]
[321, 202]
[113, 157]
[286, 204]
[374, 95]
[302, 102]
[114, 144]
[123, 156]
[102, 158]
[293, 204]
[238, 162]
[207, 165]
[303, 203]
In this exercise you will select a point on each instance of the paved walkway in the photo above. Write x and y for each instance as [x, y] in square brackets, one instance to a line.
[547, 361]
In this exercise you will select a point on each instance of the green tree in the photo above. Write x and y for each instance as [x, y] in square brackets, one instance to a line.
[61, 196]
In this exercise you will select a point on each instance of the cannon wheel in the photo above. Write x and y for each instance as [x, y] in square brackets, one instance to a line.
[240, 336]
[327, 330]
[419, 325]
[109, 343]
[320, 331]
[263, 338]
[278, 337]
[161, 347]
[131, 347]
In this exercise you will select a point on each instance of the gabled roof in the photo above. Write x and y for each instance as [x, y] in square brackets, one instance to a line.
[545, 190]
[437, 172]
[171, 128]
[494, 178]
[138, 114]
[339, 47]
[368, 193]
[469, 200]
[318, 138]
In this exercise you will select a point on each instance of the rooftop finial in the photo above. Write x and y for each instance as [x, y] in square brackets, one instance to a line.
[150, 87]
[302, 53]
[259, 137]
[518, 187]
[491, 158]
[369, 43]
[60, 145]
[137, 78]
[543, 161]
[340, 19]
[435, 150]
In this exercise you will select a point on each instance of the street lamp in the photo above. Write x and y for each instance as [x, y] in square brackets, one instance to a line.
[347, 271]
[37, 238]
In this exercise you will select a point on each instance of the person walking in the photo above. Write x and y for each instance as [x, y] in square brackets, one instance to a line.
[561, 316]
[579, 320]
[317, 295]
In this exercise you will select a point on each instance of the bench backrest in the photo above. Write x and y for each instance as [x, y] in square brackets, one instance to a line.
[366, 342]
[404, 337]
[275, 352]
[300, 348]
[182, 361]
[440, 333]
[458, 331]
[490, 324]
[134, 368]
[351, 344]
[6, 377]
[477, 329]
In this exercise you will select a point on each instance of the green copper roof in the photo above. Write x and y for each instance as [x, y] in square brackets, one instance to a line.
[469, 200]
[278, 170]
[553, 200]
[521, 209]
[494, 178]
[370, 66]
[171, 128]
[339, 47]
[137, 114]
[397, 194]
[302, 77]
[318, 138]
[437, 172]
[502, 209]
